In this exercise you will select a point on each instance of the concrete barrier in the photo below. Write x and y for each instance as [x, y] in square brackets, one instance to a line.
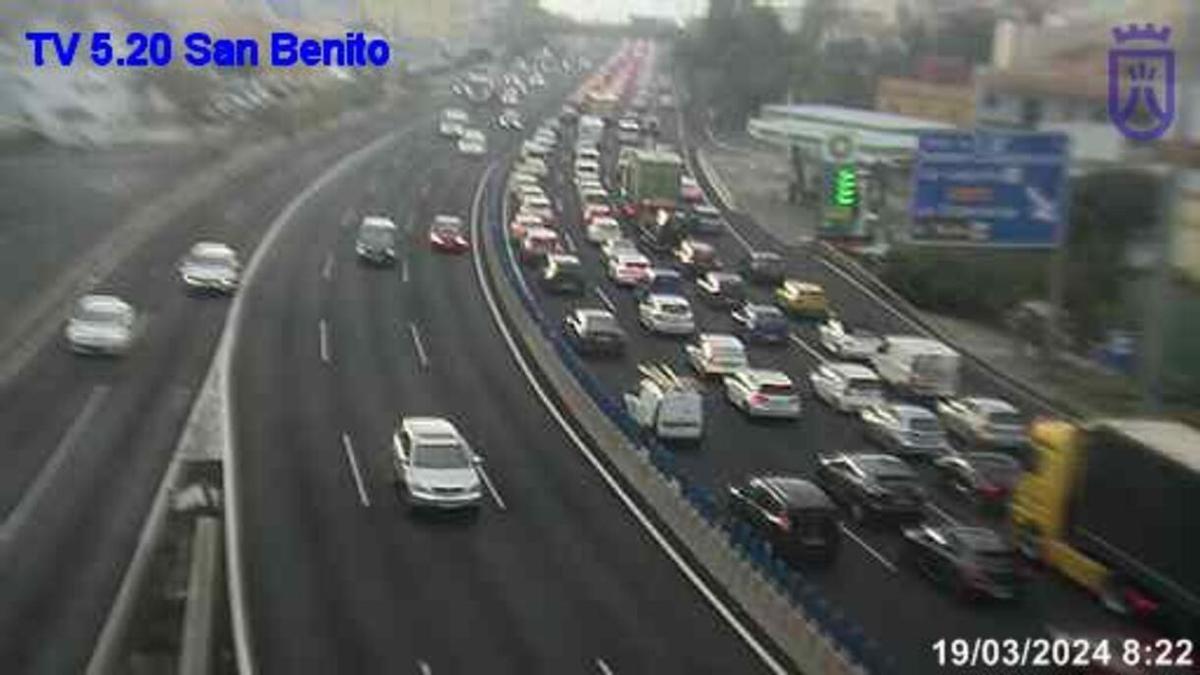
[199, 621]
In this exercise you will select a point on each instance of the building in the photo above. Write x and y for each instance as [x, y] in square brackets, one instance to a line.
[952, 104]
[879, 135]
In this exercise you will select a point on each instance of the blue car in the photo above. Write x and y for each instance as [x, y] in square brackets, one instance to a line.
[760, 323]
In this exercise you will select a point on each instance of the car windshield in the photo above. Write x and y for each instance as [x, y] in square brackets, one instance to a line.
[865, 388]
[102, 315]
[924, 424]
[777, 389]
[440, 456]
[675, 308]
[601, 323]
[376, 235]
[998, 468]
[1005, 419]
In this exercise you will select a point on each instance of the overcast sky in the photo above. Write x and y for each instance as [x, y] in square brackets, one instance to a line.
[618, 10]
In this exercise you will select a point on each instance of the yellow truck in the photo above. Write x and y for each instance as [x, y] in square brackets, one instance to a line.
[1113, 505]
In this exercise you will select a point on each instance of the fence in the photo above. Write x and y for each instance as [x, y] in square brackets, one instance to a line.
[805, 599]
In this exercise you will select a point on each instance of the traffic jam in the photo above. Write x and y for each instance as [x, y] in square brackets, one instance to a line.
[818, 433]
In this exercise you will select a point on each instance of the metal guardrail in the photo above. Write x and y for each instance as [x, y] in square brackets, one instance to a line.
[804, 597]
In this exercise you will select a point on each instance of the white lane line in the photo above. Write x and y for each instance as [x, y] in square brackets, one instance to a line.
[659, 538]
[323, 335]
[347, 217]
[327, 267]
[941, 513]
[603, 667]
[605, 299]
[404, 270]
[243, 638]
[358, 479]
[867, 547]
[570, 241]
[803, 344]
[491, 488]
[20, 513]
[418, 345]
[424, 668]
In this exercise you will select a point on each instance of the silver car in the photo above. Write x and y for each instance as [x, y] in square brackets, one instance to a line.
[101, 324]
[435, 466]
[905, 429]
[983, 421]
[211, 266]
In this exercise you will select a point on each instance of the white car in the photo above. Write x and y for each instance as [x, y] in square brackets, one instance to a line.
[539, 205]
[615, 247]
[434, 465]
[905, 429]
[588, 152]
[628, 269]
[666, 314]
[586, 169]
[847, 387]
[850, 344]
[592, 195]
[603, 229]
[717, 354]
[101, 324]
[533, 165]
[983, 421]
[533, 148]
[763, 393]
[472, 143]
[210, 266]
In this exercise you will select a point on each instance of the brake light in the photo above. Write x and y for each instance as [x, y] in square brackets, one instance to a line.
[784, 522]
[991, 491]
[758, 399]
[1139, 604]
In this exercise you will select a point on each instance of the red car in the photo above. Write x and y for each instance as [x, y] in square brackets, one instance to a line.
[446, 235]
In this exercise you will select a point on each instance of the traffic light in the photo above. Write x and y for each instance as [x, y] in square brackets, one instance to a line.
[845, 186]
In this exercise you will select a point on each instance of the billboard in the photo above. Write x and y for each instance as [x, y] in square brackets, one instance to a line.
[989, 188]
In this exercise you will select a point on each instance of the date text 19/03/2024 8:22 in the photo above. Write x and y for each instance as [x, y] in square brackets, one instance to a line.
[201, 50]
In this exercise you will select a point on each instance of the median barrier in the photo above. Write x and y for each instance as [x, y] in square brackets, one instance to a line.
[785, 607]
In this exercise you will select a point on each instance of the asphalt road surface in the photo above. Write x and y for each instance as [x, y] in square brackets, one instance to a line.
[900, 610]
[552, 576]
[84, 441]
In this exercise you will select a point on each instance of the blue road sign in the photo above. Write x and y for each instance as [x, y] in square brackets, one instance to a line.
[986, 188]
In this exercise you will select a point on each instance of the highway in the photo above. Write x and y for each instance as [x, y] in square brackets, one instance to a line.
[903, 612]
[552, 576]
[85, 441]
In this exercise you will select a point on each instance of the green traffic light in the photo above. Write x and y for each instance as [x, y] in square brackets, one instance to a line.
[845, 186]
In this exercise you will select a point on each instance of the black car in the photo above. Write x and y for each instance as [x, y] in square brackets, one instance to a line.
[722, 289]
[972, 561]
[563, 274]
[796, 517]
[705, 219]
[986, 478]
[660, 281]
[594, 331]
[760, 323]
[872, 486]
[694, 258]
[763, 267]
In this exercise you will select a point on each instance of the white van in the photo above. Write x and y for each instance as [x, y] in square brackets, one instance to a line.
[591, 128]
[667, 405]
[917, 365]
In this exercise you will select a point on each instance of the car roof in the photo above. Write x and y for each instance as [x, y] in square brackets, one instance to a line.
[444, 219]
[429, 428]
[805, 286]
[591, 312]
[918, 341]
[665, 273]
[910, 411]
[707, 208]
[632, 257]
[855, 371]
[768, 377]
[979, 539]
[605, 220]
[103, 301]
[721, 340]
[378, 221]
[540, 233]
[563, 259]
[699, 245]
[724, 276]
[880, 464]
[797, 492]
[991, 405]
[765, 255]
[212, 248]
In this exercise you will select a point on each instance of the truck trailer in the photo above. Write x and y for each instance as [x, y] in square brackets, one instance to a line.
[1112, 504]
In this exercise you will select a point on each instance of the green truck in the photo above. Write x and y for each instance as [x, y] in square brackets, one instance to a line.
[649, 185]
